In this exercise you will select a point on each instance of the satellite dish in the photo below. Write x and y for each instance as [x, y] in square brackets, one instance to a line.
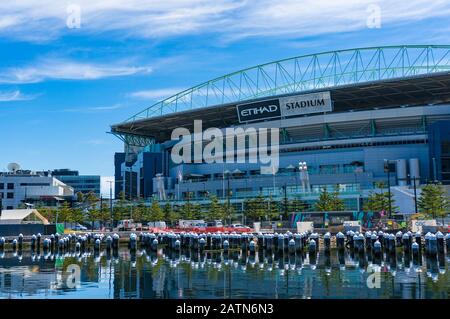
[13, 167]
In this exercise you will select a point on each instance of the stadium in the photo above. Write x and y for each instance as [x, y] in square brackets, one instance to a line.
[348, 119]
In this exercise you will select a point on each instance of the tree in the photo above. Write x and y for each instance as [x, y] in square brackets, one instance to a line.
[64, 213]
[378, 201]
[49, 213]
[92, 211]
[190, 211]
[140, 212]
[80, 197]
[104, 214]
[170, 215]
[329, 201]
[273, 209]
[255, 208]
[433, 201]
[215, 210]
[76, 215]
[156, 213]
[119, 210]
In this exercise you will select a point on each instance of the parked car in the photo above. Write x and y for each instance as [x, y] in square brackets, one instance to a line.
[239, 226]
[79, 227]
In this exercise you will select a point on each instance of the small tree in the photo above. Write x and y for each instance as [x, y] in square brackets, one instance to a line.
[256, 208]
[215, 210]
[140, 212]
[80, 197]
[378, 201]
[92, 213]
[120, 207]
[64, 213]
[273, 209]
[329, 201]
[156, 213]
[433, 201]
[170, 215]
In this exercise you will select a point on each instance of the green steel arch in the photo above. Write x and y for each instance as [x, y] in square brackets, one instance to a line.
[307, 72]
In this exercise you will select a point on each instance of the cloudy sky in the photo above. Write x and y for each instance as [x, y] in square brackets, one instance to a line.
[69, 69]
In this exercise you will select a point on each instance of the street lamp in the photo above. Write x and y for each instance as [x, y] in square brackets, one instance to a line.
[387, 170]
[227, 173]
[415, 192]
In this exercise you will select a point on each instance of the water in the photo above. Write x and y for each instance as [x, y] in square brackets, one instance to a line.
[168, 275]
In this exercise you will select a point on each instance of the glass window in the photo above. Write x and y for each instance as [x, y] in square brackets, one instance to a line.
[445, 147]
[2, 186]
[10, 185]
[10, 195]
[445, 164]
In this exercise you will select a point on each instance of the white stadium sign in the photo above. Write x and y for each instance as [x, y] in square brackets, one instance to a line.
[305, 104]
[285, 107]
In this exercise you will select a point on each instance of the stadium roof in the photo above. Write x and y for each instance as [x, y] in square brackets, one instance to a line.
[357, 78]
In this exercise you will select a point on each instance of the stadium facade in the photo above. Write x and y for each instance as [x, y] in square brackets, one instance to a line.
[355, 117]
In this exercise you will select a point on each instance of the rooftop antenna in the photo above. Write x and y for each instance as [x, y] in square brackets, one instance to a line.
[13, 167]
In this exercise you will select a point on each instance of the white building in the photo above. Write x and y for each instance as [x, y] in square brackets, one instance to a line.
[22, 187]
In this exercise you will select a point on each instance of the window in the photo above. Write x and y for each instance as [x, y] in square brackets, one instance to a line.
[10, 185]
[9, 207]
[2, 186]
[445, 147]
[10, 195]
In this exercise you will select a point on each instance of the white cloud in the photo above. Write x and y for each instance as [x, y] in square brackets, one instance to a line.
[155, 94]
[94, 109]
[16, 95]
[50, 69]
[231, 19]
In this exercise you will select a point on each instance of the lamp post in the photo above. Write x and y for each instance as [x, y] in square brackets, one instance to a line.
[227, 173]
[415, 192]
[387, 170]
[111, 203]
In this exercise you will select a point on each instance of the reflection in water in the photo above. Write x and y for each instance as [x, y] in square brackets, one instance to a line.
[188, 273]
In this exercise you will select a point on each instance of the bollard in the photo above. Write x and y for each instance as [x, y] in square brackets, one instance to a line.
[52, 242]
[33, 242]
[46, 245]
[398, 238]
[177, 245]
[340, 241]
[154, 246]
[373, 240]
[447, 243]
[312, 246]
[315, 236]
[38, 241]
[252, 247]
[78, 247]
[440, 242]
[377, 249]
[115, 242]
[391, 244]
[60, 245]
[368, 239]
[202, 244]
[291, 247]
[14, 244]
[327, 241]
[108, 243]
[418, 239]
[97, 245]
[226, 246]
[432, 245]
[133, 242]
[2, 243]
[406, 242]
[20, 241]
[415, 251]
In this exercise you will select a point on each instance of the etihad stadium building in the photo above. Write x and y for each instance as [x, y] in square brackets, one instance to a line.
[356, 117]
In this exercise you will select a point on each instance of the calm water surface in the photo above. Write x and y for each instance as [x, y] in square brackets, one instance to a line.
[191, 275]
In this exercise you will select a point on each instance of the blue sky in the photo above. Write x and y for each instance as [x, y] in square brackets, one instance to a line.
[62, 87]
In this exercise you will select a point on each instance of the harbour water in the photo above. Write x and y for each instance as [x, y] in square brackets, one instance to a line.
[167, 274]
